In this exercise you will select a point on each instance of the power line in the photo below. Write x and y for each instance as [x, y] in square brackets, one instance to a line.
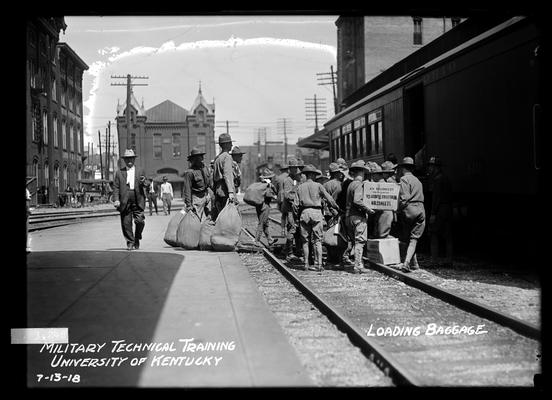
[315, 108]
[227, 124]
[329, 78]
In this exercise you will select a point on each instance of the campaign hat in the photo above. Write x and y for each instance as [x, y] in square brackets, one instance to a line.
[236, 150]
[284, 166]
[225, 138]
[266, 174]
[375, 168]
[407, 162]
[388, 166]
[335, 167]
[195, 152]
[310, 169]
[358, 165]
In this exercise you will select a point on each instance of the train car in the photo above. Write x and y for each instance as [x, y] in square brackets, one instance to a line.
[478, 107]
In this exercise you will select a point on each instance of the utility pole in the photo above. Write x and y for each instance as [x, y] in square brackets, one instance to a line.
[108, 148]
[129, 86]
[227, 124]
[315, 108]
[100, 144]
[324, 79]
[284, 124]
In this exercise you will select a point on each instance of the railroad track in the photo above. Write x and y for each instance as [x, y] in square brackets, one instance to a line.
[48, 220]
[417, 333]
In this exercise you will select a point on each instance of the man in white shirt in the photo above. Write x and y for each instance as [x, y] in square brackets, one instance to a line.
[129, 198]
[152, 196]
[166, 195]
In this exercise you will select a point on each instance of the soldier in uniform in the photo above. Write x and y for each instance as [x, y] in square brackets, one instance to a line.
[440, 221]
[411, 212]
[308, 206]
[356, 213]
[334, 187]
[237, 156]
[195, 185]
[289, 185]
[223, 176]
[279, 188]
[383, 219]
[263, 210]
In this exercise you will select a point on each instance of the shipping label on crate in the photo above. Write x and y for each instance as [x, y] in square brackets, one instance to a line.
[381, 195]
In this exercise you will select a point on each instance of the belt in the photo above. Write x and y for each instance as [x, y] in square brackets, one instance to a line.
[313, 207]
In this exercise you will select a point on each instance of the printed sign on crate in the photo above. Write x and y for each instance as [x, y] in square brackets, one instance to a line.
[381, 195]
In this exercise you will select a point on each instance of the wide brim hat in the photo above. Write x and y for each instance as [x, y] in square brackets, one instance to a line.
[375, 169]
[310, 169]
[129, 153]
[334, 167]
[283, 167]
[388, 167]
[236, 150]
[224, 138]
[407, 162]
[358, 165]
[195, 152]
[266, 174]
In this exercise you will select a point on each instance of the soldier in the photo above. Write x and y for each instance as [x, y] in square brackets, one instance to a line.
[383, 219]
[263, 210]
[440, 221]
[237, 156]
[411, 212]
[334, 187]
[195, 185]
[223, 176]
[289, 186]
[279, 188]
[356, 213]
[389, 171]
[308, 206]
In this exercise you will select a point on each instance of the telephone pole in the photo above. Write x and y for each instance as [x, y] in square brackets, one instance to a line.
[129, 86]
[227, 124]
[100, 144]
[284, 125]
[329, 78]
[315, 109]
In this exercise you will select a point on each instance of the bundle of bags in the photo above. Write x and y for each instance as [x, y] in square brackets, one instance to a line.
[189, 231]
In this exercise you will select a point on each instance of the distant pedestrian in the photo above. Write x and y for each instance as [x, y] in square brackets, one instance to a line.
[28, 214]
[129, 195]
[166, 195]
[440, 221]
[152, 196]
[411, 212]
[263, 210]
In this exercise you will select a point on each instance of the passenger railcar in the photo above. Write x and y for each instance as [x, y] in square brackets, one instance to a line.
[478, 107]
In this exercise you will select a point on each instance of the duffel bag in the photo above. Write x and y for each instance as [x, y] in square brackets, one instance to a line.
[172, 228]
[255, 193]
[187, 235]
[205, 233]
[227, 229]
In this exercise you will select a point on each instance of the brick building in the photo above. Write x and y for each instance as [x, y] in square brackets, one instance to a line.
[163, 136]
[54, 123]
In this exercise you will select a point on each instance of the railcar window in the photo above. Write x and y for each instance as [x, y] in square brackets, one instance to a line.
[380, 137]
[372, 138]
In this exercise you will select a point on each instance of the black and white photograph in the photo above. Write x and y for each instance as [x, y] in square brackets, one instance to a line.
[272, 200]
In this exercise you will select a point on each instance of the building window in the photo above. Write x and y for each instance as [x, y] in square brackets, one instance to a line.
[71, 98]
[63, 92]
[45, 127]
[455, 21]
[375, 127]
[32, 72]
[57, 183]
[133, 141]
[46, 174]
[64, 135]
[71, 138]
[157, 146]
[201, 141]
[35, 168]
[54, 90]
[78, 141]
[55, 132]
[35, 122]
[65, 181]
[176, 145]
[417, 30]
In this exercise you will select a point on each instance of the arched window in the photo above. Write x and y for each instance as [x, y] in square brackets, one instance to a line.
[55, 132]
[45, 126]
[46, 174]
[56, 178]
[65, 181]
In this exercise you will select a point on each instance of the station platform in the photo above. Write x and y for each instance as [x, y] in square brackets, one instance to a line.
[209, 325]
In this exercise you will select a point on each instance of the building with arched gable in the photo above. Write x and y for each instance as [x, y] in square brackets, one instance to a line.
[163, 135]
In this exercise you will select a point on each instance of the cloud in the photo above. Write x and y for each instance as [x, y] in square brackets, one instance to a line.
[108, 50]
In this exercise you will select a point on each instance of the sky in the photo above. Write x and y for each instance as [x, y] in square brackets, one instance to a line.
[258, 69]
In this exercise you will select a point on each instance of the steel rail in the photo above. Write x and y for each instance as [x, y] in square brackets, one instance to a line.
[373, 351]
[522, 327]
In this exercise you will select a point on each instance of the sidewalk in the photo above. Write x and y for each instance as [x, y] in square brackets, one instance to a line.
[81, 277]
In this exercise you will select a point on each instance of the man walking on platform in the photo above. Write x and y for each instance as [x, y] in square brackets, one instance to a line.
[166, 195]
[195, 185]
[129, 198]
[152, 197]
[223, 176]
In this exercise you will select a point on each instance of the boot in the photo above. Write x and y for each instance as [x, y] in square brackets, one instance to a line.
[359, 267]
